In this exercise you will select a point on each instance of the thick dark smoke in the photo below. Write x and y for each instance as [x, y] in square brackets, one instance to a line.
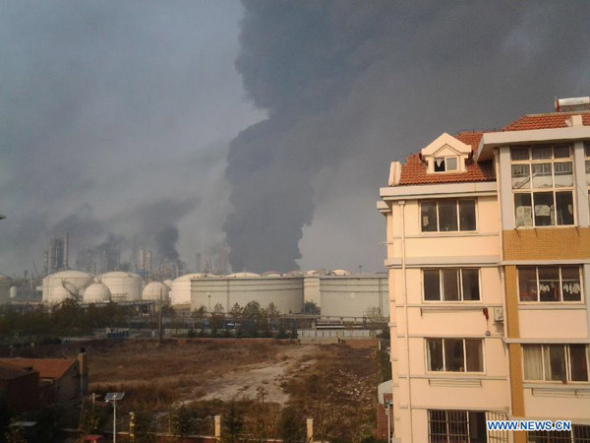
[115, 119]
[351, 85]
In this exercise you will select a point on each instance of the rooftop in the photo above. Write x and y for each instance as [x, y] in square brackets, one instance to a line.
[47, 367]
[414, 172]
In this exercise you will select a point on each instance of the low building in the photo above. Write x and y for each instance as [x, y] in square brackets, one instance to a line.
[19, 387]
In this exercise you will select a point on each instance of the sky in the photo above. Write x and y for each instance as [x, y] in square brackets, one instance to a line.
[267, 125]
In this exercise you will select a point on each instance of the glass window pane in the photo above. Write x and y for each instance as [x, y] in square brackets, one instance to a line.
[542, 175]
[519, 153]
[521, 176]
[527, 283]
[561, 152]
[533, 362]
[447, 211]
[467, 215]
[548, 283]
[451, 164]
[578, 363]
[564, 177]
[429, 219]
[523, 210]
[565, 208]
[450, 284]
[588, 173]
[470, 281]
[570, 283]
[474, 350]
[435, 354]
[454, 358]
[555, 362]
[541, 152]
[544, 210]
[432, 285]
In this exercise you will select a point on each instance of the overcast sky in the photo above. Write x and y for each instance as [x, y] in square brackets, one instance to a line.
[269, 124]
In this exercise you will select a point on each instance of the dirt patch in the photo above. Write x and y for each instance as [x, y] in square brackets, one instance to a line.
[265, 381]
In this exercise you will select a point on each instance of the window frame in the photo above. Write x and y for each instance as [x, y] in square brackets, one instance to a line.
[554, 190]
[444, 353]
[444, 160]
[458, 214]
[460, 286]
[561, 284]
[461, 421]
[582, 431]
[567, 363]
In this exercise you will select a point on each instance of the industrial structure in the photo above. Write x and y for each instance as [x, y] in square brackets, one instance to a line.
[56, 256]
[488, 252]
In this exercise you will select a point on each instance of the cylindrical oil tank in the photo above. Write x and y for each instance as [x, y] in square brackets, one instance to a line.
[180, 290]
[286, 293]
[156, 291]
[13, 292]
[97, 293]
[55, 283]
[124, 286]
[353, 295]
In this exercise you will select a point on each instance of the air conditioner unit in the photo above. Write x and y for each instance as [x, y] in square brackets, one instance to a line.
[498, 315]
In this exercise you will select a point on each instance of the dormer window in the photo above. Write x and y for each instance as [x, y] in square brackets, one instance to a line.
[446, 154]
[445, 164]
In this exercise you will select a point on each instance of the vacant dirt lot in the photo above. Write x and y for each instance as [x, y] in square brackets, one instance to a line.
[201, 370]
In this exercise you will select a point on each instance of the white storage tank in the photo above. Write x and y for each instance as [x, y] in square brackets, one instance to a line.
[352, 295]
[156, 291]
[285, 292]
[53, 285]
[13, 292]
[180, 289]
[97, 293]
[124, 286]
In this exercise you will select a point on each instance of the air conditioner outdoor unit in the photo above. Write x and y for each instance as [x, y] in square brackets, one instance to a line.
[498, 315]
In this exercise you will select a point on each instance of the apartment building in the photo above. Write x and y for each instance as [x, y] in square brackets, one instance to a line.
[488, 252]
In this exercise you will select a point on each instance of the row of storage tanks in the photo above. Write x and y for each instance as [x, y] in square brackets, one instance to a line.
[337, 294]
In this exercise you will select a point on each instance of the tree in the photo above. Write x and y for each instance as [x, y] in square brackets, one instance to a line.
[182, 422]
[217, 317]
[233, 423]
[311, 308]
[291, 425]
[375, 319]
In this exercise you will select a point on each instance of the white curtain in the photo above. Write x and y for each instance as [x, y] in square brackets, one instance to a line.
[533, 362]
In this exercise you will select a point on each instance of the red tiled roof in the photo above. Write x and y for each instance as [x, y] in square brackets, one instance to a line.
[545, 121]
[47, 367]
[414, 172]
[9, 372]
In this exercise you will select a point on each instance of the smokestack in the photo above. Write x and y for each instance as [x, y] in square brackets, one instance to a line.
[198, 263]
[66, 251]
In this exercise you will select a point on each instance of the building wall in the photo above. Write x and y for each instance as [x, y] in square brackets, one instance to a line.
[410, 252]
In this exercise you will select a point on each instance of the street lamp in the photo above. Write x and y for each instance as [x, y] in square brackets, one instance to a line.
[114, 397]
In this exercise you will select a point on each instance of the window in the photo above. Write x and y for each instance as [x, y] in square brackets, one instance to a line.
[455, 354]
[456, 426]
[549, 283]
[448, 215]
[578, 434]
[556, 362]
[445, 164]
[543, 182]
[451, 284]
